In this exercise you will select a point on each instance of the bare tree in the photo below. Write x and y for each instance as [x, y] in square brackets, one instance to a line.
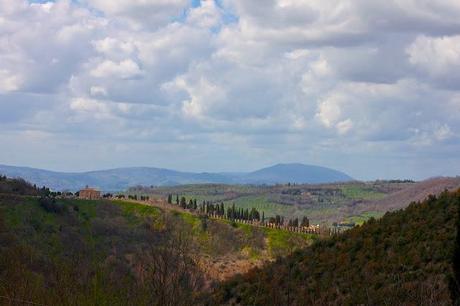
[170, 272]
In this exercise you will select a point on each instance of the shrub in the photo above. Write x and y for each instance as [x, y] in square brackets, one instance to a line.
[51, 206]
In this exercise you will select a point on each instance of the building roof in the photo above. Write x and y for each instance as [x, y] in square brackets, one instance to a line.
[89, 189]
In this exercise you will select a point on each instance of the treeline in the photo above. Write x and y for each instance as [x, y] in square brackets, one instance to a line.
[21, 187]
[408, 257]
[236, 213]
[134, 197]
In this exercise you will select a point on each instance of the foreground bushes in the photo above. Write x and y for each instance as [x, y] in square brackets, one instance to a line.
[52, 255]
[51, 205]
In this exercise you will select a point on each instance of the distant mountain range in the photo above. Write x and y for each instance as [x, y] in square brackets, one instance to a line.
[123, 178]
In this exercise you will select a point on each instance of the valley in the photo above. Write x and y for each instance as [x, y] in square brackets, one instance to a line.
[56, 249]
[113, 249]
[321, 203]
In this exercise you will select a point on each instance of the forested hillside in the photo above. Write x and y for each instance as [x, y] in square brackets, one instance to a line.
[56, 251]
[19, 186]
[407, 257]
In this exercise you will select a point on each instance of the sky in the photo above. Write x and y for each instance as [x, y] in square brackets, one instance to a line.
[368, 87]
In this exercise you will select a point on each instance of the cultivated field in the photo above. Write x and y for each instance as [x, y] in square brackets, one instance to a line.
[349, 202]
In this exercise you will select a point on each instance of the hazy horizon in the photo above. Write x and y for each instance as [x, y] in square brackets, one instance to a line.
[364, 87]
[217, 171]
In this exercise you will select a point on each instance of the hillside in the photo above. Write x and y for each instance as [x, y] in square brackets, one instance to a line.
[18, 186]
[57, 252]
[404, 258]
[123, 178]
[415, 192]
[334, 202]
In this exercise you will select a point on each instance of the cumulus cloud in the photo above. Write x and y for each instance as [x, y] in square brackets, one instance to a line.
[437, 57]
[250, 82]
[125, 69]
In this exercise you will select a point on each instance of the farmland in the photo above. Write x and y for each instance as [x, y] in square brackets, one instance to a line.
[321, 203]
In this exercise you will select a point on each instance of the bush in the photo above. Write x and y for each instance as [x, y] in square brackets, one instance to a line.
[51, 206]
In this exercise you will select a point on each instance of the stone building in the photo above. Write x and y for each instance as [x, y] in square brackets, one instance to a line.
[89, 194]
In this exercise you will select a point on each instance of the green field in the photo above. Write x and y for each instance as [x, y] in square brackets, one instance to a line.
[361, 218]
[324, 203]
[261, 203]
[359, 192]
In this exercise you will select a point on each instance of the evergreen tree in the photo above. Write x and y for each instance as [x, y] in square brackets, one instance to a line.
[169, 198]
[177, 199]
[305, 222]
[295, 222]
[195, 206]
[277, 220]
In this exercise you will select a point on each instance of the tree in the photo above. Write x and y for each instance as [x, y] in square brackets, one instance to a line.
[305, 222]
[171, 273]
[295, 222]
[195, 206]
[183, 202]
[277, 219]
[169, 198]
[177, 199]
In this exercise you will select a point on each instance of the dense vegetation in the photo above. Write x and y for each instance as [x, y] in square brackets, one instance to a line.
[404, 258]
[57, 251]
[19, 186]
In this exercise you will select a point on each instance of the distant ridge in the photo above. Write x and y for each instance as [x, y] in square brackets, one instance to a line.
[123, 178]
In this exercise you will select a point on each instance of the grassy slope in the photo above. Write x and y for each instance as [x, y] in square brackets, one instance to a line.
[403, 258]
[357, 192]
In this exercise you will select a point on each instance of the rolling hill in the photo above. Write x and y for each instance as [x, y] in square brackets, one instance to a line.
[294, 173]
[122, 178]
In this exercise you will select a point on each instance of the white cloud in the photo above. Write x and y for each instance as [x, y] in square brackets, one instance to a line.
[89, 105]
[437, 56]
[9, 81]
[208, 15]
[344, 126]
[443, 132]
[125, 69]
[113, 47]
[329, 111]
[98, 91]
